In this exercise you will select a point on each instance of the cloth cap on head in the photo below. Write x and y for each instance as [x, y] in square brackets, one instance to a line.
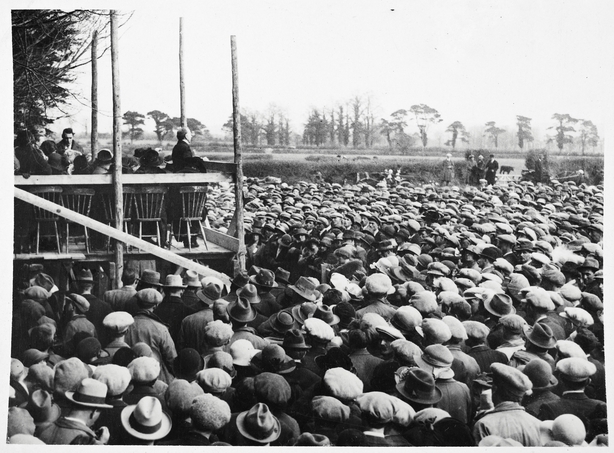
[90, 393]
[425, 302]
[513, 323]
[570, 292]
[343, 384]
[88, 349]
[406, 318]
[142, 349]
[540, 374]
[378, 284]
[312, 440]
[37, 293]
[68, 375]
[539, 298]
[179, 396]
[118, 321]
[389, 333]
[568, 348]
[569, 429]
[116, 378]
[434, 356]
[577, 315]
[259, 424]
[149, 297]
[272, 389]
[223, 361]
[456, 327]
[318, 329]
[80, 302]
[242, 351]
[405, 350]
[41, 375]
[214, 380]
[476, 330]
[436, 330]
[144, 369]
[511, 379]
[437, 268]
[146, 420]
[20, 422]
[553, 276]
[575, 369]
[386, 408]
[218, 333]
[209, 413]
[330, 409]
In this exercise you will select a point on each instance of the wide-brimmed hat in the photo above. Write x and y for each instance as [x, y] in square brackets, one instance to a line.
[325, 314]
[303, 311]
[250, 293]
[500, 305]
[174, 281]
[273, 358]
[241, 310]
[419, 386]
[259, 424]
[209, 293]
[281, 322]
[104, 156]
[192, 280]
[42, 408]
[264, 279]
[541, 335]
[305, 288]
[151, 277]
[146, 420]
[282, 276]
[84, 275]
[294, 339]
[90, 393]
[434, 356]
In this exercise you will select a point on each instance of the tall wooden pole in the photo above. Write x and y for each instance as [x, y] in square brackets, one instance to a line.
[184, 122]
[236, 131]
[117, 150]
[94, 136]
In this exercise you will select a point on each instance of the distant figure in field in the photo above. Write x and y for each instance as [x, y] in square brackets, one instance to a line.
[539, 169]
[491, 170]
[448, 170]
[68, 147]
[470, 175]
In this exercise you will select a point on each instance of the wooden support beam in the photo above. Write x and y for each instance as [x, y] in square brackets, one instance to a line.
[94, 136]
[127, 179]
[118, 235]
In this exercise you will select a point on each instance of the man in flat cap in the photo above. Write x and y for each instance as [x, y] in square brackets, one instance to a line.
[117, 324]
[150, 329]
[574, 375]
[378, 286]
[509, 419]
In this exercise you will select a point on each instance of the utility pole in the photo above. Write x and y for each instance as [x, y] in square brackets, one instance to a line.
[94, 136]
[184, 122]
[236, 132]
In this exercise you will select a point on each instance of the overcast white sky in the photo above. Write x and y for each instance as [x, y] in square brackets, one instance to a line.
[474, 61]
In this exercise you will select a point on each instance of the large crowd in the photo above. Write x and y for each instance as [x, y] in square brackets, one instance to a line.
[370, 315]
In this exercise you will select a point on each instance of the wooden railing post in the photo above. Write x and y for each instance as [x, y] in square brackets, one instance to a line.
[236, 130]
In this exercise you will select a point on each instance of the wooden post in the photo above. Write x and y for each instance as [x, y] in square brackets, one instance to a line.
[184, 122]
[236, 131]
[117, 151]
[94, 136]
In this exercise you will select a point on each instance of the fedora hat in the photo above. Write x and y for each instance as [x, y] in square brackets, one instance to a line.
[294, 339]
[241, 310]
[282, 276]
[150, 277]
[146, 420]
[250, 293]
[174, 281]
[500, 305]
[281, 322]
[326, 314]
[42, 408]
[419, 386]
[259, 424]
[303, 311]
[192, 280]
[209, 293]
[264, 279]
[541, 335]
[273, 358]
[91, 393]
[84, 275]
[305, 288]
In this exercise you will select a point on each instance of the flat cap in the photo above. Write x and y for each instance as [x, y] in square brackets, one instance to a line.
[425, 302]
[575, 369]
[513, 323]
[149, 297]
[436, 330]
[118, 321]
[343, 384]
[476, 330]
[577, 316]
[144, 369]
[213, 380]
[512, 379]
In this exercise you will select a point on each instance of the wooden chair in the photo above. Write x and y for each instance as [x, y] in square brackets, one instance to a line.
[80, 201]
[42, 216]
[148, 208]
[108, 205]
[193, 199]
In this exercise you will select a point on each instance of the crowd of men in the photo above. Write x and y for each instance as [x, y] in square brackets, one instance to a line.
[368, 316]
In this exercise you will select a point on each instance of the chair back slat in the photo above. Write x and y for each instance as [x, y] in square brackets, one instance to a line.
[49, 193]
[193, 199]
